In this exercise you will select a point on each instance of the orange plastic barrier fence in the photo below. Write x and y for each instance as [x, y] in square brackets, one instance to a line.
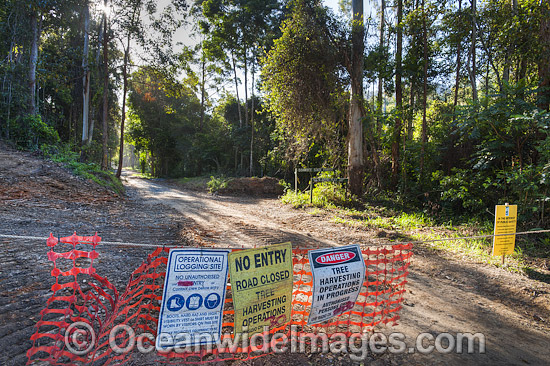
[85, 307]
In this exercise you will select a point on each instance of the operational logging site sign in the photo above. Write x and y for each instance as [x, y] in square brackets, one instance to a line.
[338, 275]
[505, 223]
[193, 298]
[261, 284]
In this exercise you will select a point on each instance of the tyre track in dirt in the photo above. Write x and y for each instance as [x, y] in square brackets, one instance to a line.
[445, 295]
[223, 223]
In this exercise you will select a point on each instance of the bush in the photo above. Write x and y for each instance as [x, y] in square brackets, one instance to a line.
[325, 194]
[295, 199]
[31, 132]
[216, 184]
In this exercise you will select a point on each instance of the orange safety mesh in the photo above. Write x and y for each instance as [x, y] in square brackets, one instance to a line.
[81, 295]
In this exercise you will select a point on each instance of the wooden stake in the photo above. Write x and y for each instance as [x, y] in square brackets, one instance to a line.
[311, 189]
[506, 204]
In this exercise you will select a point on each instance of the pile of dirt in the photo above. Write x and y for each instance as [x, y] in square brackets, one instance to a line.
[253, 186]
[24, 177]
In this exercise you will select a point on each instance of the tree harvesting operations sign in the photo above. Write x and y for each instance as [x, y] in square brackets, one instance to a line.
[191, 311]
[505, 223]
[261, 286]
[338, 275]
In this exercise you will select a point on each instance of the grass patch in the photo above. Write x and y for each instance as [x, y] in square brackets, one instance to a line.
[401, 221]
[315, 212]
[325, 195]
[475, 249]
[421, 227]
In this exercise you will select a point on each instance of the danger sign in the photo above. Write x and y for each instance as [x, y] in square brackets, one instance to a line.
[335, 258]
[338, 275]
[261, 283]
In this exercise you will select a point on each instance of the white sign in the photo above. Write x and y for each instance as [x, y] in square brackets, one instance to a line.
[191, 311]
[338, 275]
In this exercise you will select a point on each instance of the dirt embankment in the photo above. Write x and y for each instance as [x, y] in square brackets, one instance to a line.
[24, 178]
[253, 186]
[38, 197]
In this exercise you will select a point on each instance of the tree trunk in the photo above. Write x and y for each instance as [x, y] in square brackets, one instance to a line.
[123, 117]
[104, 160]
[410, 125]
[486, 85]
[509, 50]
[355, 134]
[544, 64]
[237, 90]
[252, 125]
[396, 138]
[380, 80]
[135, 15]
[457, 78]
[245, 87]
[203, 93]
[473, 72]
[424, 94]
[97, 59]
[33, 62]
[85, 77]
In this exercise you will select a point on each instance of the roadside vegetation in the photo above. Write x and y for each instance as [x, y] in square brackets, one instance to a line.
[391, 221]
[62, 154]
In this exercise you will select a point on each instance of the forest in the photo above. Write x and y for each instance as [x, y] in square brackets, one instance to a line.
[437, 104]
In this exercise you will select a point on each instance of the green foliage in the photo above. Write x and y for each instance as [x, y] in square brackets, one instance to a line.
[286, 186]
[508, 141]
[330, 194]
[217, 183]
[375, 218]
[302, 77]
[164, 116]
[31, 132]
[296, 199]
[325, 194]
[477, 153]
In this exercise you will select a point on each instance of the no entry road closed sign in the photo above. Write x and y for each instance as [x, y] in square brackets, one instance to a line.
[338, 275]
[261, 285]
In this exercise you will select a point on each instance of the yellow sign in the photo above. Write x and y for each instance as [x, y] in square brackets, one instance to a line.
[505, 223]
[261, 284]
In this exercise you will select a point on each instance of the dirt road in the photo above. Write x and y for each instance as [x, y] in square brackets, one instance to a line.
[445, 295]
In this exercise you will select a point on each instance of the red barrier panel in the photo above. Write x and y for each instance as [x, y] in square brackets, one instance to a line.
[85, 308]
